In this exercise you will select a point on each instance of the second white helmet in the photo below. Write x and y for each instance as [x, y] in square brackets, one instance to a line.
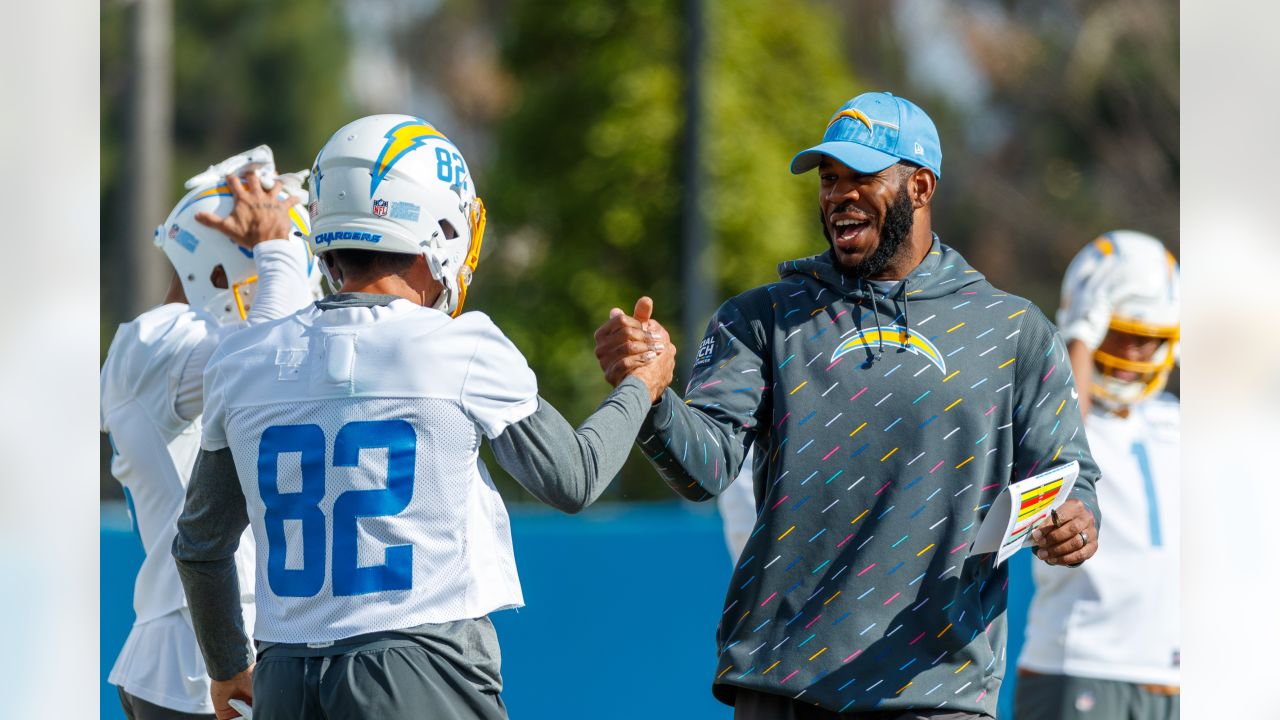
[195, 250]
[394, 183]
[1128, 282]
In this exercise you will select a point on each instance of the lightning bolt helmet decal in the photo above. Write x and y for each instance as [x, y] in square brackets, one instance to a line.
[401, 140]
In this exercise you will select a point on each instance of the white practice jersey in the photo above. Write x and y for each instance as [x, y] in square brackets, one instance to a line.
[355, 433]
[154, 451]
[1116, 617]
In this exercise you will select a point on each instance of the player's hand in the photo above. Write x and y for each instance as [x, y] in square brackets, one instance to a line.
[259, 213]
[657, 371]
[239, 686]
[1072, 541]
[625, 343]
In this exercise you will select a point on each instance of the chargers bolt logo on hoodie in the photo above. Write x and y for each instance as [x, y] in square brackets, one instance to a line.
[898, 337]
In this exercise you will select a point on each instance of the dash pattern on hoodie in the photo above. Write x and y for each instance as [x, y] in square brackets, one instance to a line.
[885, 423]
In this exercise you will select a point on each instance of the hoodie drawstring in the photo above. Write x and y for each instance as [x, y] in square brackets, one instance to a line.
[904, 334]
[875, 312]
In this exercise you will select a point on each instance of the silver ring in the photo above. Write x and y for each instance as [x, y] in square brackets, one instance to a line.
[1084, 537]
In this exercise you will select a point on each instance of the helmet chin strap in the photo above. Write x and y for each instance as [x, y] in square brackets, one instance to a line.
[444, 300]
[454, 282]
[439, 270]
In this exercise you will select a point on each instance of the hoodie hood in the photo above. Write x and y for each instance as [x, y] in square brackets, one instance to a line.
[943, 272]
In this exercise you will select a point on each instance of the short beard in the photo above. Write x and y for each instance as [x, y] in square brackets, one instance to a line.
[897, 228]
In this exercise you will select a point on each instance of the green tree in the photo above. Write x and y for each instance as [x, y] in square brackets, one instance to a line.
[1075, 131]
[585, 190]
[245, 73]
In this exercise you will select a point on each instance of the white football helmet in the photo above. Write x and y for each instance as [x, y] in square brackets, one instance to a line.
[1125, 281]
[393, 183]
[196, 250]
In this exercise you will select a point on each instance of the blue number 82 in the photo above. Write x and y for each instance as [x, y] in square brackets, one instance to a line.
[396, 572]
[449, 166]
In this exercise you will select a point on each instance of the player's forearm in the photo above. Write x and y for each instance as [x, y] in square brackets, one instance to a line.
[694, 453]
[213, 595]
[282, 280]
[204, 548]
[567, 468]
[1085, 490]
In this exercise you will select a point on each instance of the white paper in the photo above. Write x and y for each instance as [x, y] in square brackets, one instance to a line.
[242, 707]
[1004, 531]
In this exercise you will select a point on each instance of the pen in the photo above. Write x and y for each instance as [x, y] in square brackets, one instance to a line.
[1054, 514]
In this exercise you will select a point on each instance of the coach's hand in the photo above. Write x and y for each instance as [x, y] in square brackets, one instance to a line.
[1072, 541]
[259, 213]
[239, 686]
[636, 345]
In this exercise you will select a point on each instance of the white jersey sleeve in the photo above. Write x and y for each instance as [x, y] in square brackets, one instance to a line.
[283, 288]
[499, 388]
[1116, 617]
[214, 433]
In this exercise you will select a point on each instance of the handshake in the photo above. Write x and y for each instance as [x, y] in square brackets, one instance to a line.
[636, 345]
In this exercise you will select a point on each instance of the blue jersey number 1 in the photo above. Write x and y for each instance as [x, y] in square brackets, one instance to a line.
[1149, 484]
[396, 573]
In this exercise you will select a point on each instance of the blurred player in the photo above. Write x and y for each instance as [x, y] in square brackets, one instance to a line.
[239, 259]
[346, 436]
[1103, 639]
[737, 506]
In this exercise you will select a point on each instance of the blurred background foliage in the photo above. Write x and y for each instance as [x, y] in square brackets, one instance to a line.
[244, 73]
[1058, 118]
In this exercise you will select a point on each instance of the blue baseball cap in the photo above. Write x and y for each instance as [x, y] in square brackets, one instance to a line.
[873, 131]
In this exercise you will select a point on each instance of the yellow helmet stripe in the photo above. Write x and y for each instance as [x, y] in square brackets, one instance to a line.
[1138, 327]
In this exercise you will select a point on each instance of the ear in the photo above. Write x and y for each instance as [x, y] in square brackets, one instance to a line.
[920, 187]
[419, 277]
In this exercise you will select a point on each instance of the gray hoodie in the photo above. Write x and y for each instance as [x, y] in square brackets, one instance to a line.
[885, 422]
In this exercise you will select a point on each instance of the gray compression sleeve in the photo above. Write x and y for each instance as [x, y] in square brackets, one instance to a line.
[208, 534]
[567, 468]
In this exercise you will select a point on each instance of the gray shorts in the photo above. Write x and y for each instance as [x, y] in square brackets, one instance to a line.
[135, 708]
[754, 705]
[449, 672]
[1061, 697]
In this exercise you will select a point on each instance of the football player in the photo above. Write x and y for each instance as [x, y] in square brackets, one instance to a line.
[240, 258]
[1103, 639]
[346, 437]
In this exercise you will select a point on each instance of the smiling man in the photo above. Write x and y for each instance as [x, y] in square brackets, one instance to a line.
[890, 393]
